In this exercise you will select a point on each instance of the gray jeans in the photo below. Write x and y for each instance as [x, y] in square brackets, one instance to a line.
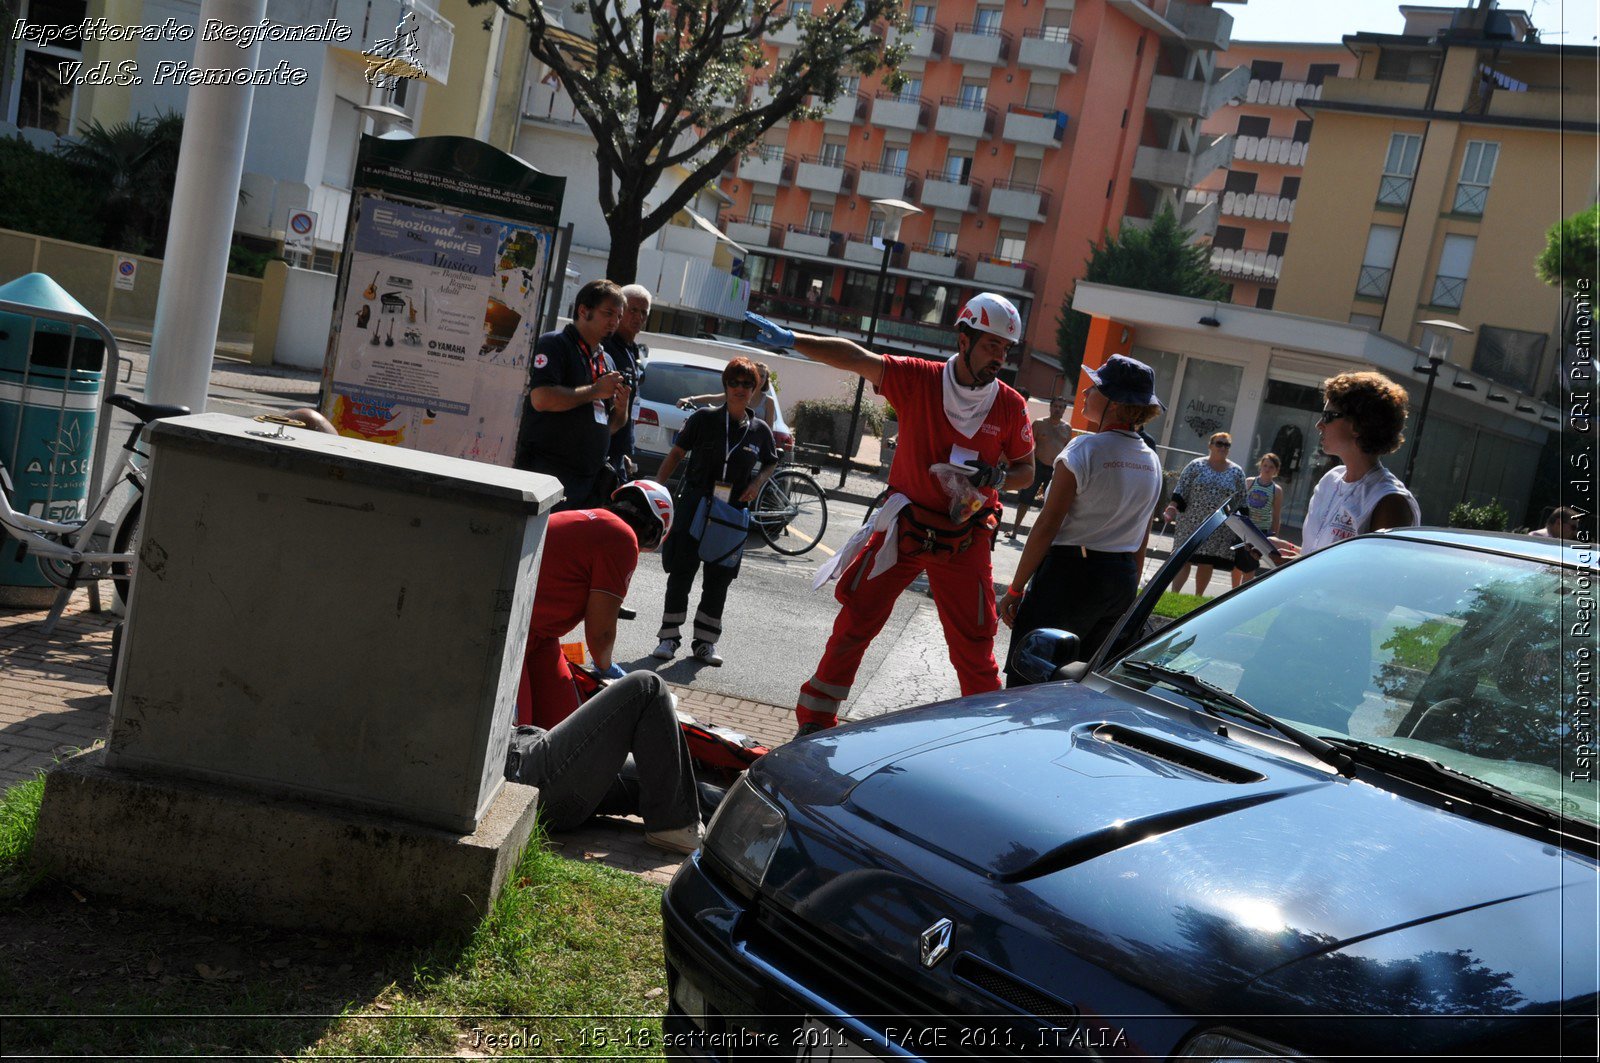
[574, 764]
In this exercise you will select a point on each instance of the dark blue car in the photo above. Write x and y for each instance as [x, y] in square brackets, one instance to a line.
[1348, 810]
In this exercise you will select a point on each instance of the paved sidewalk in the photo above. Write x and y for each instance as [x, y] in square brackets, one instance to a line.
[54, 702]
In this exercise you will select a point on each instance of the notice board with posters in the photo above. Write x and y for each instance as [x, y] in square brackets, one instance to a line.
[447, 260]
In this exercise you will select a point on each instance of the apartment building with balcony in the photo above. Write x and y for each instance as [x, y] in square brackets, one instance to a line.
[1254, 198]
[1437, 167]
[1023, 133]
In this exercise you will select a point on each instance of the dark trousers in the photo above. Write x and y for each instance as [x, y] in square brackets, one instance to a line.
[575, 763]
[1083, 595]
[714, 586]
[580, 490]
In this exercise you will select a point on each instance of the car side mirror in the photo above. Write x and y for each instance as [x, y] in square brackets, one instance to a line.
[1043, 652]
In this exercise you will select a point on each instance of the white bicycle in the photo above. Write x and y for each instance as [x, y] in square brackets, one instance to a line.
[74, 552]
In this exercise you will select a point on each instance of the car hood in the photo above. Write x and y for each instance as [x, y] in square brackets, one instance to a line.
[1124, 832]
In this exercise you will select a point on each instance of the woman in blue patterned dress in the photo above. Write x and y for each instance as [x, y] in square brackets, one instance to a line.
[1205, 484]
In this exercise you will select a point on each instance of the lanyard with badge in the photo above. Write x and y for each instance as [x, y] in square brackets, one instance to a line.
[597, 369]
[724, 489]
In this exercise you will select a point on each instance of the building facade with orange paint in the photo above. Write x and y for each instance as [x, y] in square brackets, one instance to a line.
[1023, 133]
[1255, 197]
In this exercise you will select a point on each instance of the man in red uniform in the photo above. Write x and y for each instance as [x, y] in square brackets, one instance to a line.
[588, 562]
[955, 414]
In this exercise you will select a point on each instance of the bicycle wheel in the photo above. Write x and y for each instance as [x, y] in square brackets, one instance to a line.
[63, 573]
[792, 512]
[126, 541]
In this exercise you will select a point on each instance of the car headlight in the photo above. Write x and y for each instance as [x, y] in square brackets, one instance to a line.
[745, 833]
[1224, 1046]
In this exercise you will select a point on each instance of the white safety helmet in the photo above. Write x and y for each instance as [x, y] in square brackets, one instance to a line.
[988, 312]
[653, 499]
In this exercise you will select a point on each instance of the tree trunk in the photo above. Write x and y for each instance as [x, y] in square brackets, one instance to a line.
[622, 265]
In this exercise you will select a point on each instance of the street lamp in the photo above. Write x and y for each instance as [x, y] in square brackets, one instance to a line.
[1436, 348]
[894, 211]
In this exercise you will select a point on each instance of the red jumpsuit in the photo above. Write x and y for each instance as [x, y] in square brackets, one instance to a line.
[962, 581]
[584, 550]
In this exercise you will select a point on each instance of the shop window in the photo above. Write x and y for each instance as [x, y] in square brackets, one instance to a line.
[930, 302]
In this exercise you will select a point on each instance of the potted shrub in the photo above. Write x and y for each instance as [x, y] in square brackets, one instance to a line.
[825, 422]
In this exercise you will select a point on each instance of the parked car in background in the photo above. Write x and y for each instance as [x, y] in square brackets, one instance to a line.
[1349, 810]
[667, 378]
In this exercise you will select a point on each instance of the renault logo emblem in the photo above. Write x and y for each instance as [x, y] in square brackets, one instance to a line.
[936, 942]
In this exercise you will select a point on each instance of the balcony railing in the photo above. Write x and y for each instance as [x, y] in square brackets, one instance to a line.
[1049, 49]
[1013, 273]
[986, 45]
[960, 117]
[1470, 198]
[1025, 125]
[803, 240]
[923, 40]
[894, 110]
[1394, 190]
[1447, 291]
[750, 232]
[883, 182]
[936, 260]
[1017, 199]
[952, 191]
[1238, 264]
[824, 173]
[1280, 151]
[1374, 281]
[1280, 93]
[1257, 205]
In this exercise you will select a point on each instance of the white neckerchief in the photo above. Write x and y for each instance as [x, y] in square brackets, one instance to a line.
[966, 408]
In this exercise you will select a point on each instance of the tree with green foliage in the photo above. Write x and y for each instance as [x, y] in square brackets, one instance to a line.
[662, 85]
[134, 166]
[1572, 252]
[1155, 258]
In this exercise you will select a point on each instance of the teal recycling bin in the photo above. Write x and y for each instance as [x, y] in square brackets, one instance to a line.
[52, 364]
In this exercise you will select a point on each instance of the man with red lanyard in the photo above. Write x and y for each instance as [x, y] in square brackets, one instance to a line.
[584, 571]
[576, 402]
[955, 414]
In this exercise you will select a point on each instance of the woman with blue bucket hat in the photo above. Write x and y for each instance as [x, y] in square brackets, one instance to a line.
[1086, 550]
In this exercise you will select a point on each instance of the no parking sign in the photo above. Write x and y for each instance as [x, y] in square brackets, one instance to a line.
[297, 235]
[127, 270]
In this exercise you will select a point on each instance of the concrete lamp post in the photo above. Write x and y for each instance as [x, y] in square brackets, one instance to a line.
[894, 211]
[1436, 351]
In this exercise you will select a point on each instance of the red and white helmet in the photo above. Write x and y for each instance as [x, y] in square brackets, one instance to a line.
[988, 312]
[653, 499]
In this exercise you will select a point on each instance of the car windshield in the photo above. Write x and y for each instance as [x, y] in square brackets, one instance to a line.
[1450, 654]
[666, 383]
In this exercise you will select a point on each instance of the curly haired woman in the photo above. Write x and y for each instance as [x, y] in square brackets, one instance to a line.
[1363, 417]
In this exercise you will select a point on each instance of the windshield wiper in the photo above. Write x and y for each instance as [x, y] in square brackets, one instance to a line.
[1189, 683]
[1418, 768]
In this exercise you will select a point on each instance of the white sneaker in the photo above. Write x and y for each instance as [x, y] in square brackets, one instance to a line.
[666, 651]
[682, 840]
[706, 653]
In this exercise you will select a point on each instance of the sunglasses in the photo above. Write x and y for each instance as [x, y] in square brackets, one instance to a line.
[1329, 416]
[742, 385]
[1224, 446]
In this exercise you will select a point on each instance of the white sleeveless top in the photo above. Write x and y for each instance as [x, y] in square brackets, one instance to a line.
[1341, 511]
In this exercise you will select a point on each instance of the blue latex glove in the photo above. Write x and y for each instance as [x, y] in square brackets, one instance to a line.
[769, 334]
[614, 672]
